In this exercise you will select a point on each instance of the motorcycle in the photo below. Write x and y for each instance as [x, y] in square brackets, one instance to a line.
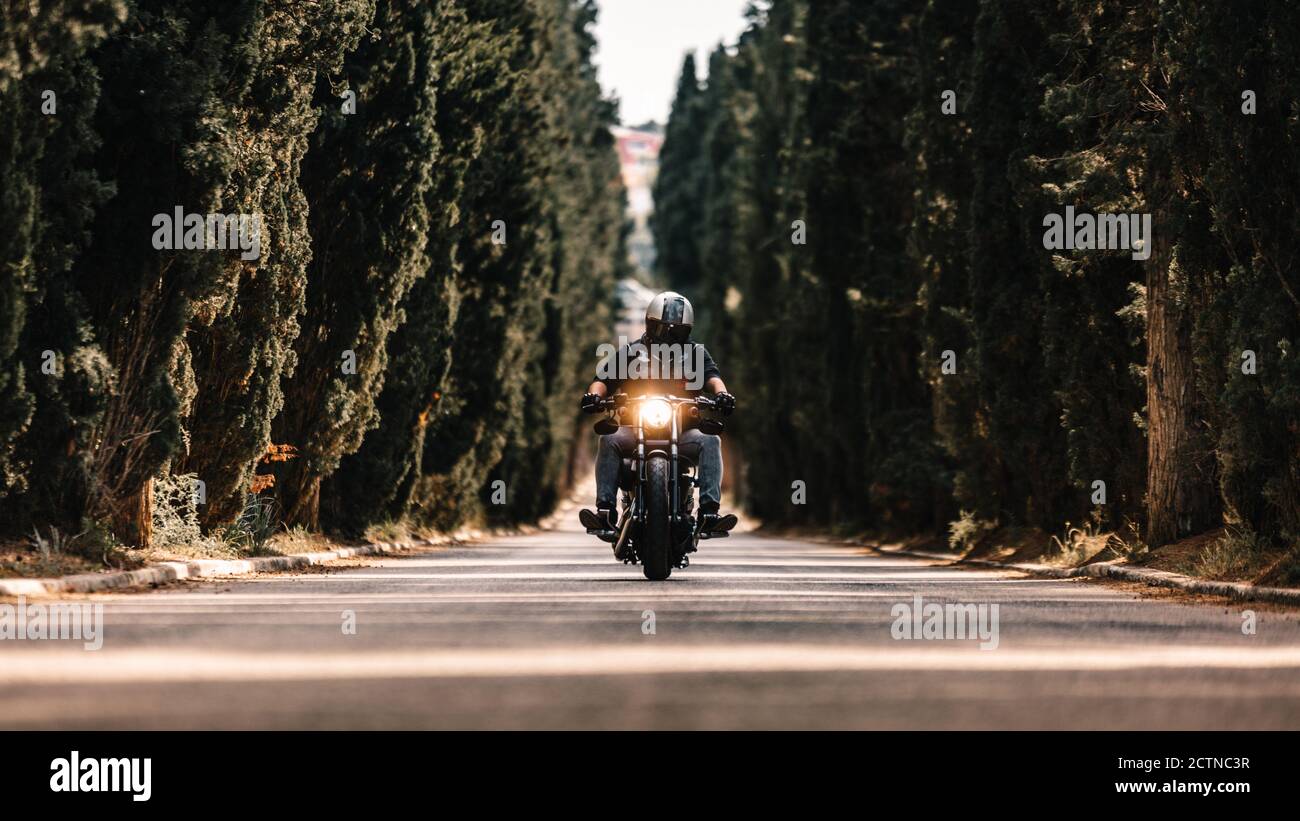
[657, 527]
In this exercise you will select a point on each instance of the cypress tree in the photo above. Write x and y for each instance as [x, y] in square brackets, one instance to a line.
[586, 255]
[1247, 166]
[1181, 482]
[859, 198]
[504, 260]
[1083, 158]
[1071, 366]
[48, 96]
[937, 138]
[478, 98]
[806, 195]
[164, 145]
[113, 414]
[468, 350]
[367, 177]
[1025, 480]
[241, 346]
[677, 196]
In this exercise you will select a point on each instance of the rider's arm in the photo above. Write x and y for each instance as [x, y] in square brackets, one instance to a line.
[597, 388]
[712, 376]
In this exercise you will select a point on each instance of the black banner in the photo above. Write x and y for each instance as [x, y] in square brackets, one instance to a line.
[131, 773]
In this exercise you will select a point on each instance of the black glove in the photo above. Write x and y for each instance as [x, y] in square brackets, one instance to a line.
[591, 403]
[725, 402]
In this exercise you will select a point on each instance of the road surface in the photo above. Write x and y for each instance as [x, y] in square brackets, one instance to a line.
[546, 631]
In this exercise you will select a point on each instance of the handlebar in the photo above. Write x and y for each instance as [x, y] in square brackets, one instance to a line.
[620, 400]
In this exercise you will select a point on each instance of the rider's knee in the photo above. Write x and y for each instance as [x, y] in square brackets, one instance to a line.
[711, 444]
[620, 442]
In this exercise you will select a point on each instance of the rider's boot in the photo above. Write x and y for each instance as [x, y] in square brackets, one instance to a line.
[603, 523]
[711, 523]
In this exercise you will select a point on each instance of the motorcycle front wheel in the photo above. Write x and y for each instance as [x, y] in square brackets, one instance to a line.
[656, 547]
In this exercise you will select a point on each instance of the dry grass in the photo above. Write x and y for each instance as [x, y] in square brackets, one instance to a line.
[1235, 555]
[1284, 571]
[1077, 547]
[292, 541]
[966, 532]
[185, 551]
[389, 531]
[1011, 544]
[54, 553]
[1229, 554]
[19, 559]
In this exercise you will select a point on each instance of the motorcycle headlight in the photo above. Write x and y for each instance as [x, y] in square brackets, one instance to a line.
[656, 413]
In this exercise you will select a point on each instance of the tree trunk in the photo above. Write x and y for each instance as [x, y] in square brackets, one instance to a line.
[1182, 496]
[299, 493]
[133, 519]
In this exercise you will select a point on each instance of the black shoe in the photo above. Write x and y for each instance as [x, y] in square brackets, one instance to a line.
[712, 524]
[603, 521]
[608, 514]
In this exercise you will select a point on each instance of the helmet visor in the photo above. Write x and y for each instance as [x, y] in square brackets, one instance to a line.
[667, 332]
[674, 311]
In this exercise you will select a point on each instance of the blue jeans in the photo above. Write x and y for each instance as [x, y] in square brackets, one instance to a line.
[703, 448]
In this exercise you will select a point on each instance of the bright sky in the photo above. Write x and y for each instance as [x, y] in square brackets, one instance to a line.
[642, 44]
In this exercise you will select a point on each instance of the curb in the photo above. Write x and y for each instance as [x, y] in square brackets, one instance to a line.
[1103, 570]
[163, 572]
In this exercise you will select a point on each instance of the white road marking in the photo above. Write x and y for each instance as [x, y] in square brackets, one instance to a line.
[130, 666]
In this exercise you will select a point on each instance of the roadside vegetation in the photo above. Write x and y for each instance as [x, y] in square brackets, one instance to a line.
[862, 191]
[441, 228]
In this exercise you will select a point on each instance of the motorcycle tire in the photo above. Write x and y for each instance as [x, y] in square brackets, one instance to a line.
[656, 544]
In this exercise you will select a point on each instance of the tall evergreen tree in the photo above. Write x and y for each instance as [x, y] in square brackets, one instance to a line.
[377, 482]
[1026, 479]
[937, 138]
[1237, 66]
[1083, 158]
[504, 256]
[524, 248]
[243, 350]
[587, 256]
[48, 95]
[677, 195]
[466, 226]
[367, 176]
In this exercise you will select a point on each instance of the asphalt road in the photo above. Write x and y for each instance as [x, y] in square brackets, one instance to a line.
[547, 631]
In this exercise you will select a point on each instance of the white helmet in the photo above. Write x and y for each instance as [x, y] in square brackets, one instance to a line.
[669, 318]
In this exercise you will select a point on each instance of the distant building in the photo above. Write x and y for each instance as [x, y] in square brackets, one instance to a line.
[638, 154]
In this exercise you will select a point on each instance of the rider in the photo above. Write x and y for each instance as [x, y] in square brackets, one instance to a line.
[668, 321]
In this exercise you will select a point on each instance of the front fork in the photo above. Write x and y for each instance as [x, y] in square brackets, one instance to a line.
[673, 476]
[639, 509]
